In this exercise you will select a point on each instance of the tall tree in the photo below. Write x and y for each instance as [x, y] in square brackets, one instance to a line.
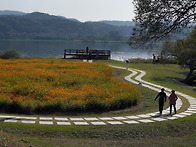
[185, 51]
[156, 19]
[167, 49]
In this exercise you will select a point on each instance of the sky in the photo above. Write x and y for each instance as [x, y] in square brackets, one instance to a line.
[83, 10]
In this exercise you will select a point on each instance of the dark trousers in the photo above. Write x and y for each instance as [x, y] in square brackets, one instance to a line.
[171, 108]
[161, 107]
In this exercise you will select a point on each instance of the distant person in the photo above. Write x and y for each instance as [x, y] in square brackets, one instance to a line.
[162, 99]
[127, 64]
[172, 101]
[154, 59]
[87, 49]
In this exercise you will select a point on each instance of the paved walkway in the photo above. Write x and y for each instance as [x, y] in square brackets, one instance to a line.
[132, 119]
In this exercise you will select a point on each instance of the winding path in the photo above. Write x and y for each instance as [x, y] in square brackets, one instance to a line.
[132, 119]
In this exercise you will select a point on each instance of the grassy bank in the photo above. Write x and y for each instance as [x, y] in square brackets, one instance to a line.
[180, 132]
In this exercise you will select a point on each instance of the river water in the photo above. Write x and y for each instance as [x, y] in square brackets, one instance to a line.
[55, 49]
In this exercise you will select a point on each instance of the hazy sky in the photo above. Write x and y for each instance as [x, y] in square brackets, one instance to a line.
[83, 10]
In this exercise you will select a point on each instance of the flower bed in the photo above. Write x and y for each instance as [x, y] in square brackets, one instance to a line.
[54, 85]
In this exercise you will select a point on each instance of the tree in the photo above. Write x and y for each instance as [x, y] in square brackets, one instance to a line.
[157, 19]
[185, 51]
[167, 48]
[10, 54]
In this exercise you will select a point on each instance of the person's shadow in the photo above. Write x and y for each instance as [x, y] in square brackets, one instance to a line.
[156, 115]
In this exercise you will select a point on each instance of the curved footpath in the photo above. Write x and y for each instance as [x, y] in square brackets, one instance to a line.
[132, 119]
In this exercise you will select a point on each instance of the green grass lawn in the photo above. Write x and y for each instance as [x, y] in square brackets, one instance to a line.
[169, 75]
[180, 132]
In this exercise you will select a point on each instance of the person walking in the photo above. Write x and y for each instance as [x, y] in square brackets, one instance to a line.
[127, 64]
[162, 99]
[172, 101]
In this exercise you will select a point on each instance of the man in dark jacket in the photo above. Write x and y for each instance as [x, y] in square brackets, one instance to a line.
[162, 99]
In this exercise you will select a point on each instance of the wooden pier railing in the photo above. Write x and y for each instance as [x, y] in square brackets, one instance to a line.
[87, 54]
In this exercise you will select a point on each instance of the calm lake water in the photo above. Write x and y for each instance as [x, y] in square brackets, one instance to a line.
[55, 49]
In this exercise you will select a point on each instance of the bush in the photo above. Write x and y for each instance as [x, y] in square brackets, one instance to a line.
[10, 54]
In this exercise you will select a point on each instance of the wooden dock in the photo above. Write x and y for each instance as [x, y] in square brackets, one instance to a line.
[87, 54]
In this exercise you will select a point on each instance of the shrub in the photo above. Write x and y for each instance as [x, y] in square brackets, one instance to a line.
[10, 54]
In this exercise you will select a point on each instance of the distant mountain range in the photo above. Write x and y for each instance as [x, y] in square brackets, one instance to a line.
[9, 12]
[119, 23]
[115, 23]
[37, 25]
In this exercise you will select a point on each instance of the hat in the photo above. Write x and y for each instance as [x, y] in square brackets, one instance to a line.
[173, 90]
[162, 89]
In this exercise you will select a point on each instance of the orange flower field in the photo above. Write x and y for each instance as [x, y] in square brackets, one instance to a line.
[57, 85]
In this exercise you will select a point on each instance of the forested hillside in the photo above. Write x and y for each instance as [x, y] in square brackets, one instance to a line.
[44, 26]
